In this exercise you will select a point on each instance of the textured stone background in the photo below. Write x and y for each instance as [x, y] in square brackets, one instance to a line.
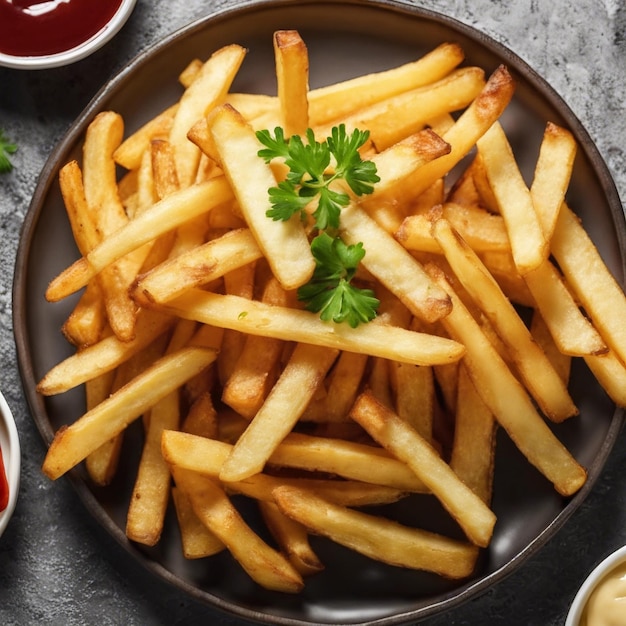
[56, 565]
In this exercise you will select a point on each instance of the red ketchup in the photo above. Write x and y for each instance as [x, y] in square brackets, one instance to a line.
[4, 486]
[42, 27]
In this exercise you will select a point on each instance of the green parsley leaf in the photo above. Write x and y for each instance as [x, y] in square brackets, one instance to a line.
[6, 148]
[313, 166]
[330, 291]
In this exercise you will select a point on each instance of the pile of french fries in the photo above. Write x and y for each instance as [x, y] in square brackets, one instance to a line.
[188, 318]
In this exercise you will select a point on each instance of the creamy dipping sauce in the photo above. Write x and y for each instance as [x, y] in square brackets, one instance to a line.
[607, 603]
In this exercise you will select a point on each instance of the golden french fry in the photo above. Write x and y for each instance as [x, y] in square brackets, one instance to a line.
[293, 539]
[103, 356]
[394, 434]
[208, 89]
[561, 361]
[86, 322]
[162, 217]
[473, 449]
[399, 116]
[292, 77]
[197, 540]
[256, 318]
[343, 385]
[350, 460]
[284, 243]
[151, 491]
[130, 152]
[264, 564]
[586, 273]
[553, 171]
[528, 240]
[468, 128]
[201, 419]
[196, 267]
[536, 370]
[509, 402]
[393, 266]
[279, 413]
[72, 444]
[378, 537]
[335, 101]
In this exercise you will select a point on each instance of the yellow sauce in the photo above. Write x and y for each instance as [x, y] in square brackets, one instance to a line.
[607, 604]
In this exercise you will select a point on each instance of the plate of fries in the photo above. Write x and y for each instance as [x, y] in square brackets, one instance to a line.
[319, 307]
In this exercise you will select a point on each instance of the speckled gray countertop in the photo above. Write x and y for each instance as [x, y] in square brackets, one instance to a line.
[57, 566]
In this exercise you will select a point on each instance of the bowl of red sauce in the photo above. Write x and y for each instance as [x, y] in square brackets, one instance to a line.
[39, 34]
[601, 599]
[10, 464]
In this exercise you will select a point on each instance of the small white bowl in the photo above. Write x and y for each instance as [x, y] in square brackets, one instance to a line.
[78, 52]
[10, 444]
[605, 567]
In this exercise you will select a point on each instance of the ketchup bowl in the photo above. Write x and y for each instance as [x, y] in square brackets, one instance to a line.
[40, 34]
[603, 593]
[10, 464]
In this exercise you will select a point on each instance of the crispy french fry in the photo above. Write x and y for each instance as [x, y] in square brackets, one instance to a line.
[377, 537]
[528, 240]
[208, 89]
[397, 436]
[352, 461]
[284, 243]
[279, 413]
[72, 444]
[340, 99]
[264, 564]
[473, 450]
[257, 318]
[540, 377]
[292, 77]
[197, 540]
[510, 403]
[164, 216]
[293, 539]
[196, 267]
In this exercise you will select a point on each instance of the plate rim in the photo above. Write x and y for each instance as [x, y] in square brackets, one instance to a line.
[446, 600]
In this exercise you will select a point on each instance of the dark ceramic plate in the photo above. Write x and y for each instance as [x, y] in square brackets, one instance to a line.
[344, 39]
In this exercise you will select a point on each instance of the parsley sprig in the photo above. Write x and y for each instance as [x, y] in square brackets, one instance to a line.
[6, 149]
[311, 175]
[330, 291]
[313, 167]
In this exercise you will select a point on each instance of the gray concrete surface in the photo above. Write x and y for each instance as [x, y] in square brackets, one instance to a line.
[57, 567]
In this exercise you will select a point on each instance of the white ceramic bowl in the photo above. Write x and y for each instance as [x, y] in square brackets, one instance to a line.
[9, 442]
[77, 52]
[611, 562]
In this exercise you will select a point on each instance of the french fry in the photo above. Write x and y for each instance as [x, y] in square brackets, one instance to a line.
[284, 243]
[337, 100]
[293, 539]
[208, 89]
[292, 77]
[588, 276]
[264, 564]
[377, 537]
[528, 240]
[473, 450]
[197, 540]
[343, 385]
[279, 413]
[473, 122]
[540, 377]
[393, 266]
[509, 402]
[73, 443]
[352, 461]
[257, 318]
[394, 434]
[103, 356]
[399, 116]
[164, 216]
